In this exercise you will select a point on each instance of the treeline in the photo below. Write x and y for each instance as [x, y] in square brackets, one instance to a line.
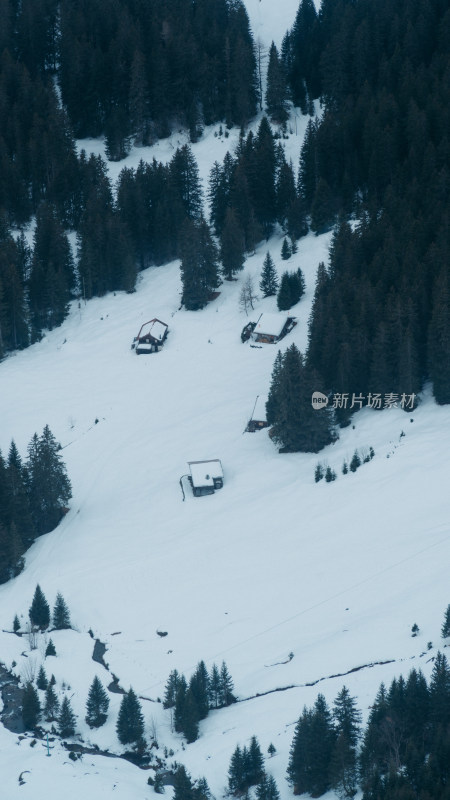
[33, 498]
[381, 319]
[128, 68]
[402, 754]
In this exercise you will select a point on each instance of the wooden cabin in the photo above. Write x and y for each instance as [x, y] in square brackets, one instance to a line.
[151, 337]
[205, 476]
[270, 328]
[258, 420]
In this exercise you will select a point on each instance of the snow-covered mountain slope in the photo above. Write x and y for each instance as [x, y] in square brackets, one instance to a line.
[288, 581]
[272, 564]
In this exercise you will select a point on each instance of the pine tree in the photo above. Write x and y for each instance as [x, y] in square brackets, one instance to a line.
[202, 790]
[61, 615]
[276, 92]
[440, 692]
[184, 175]
[199, 686]
[199, 264]
[236, 777]
[179, 704]
[214, 687]
[66, 719]
[445, 630]
[52, 272]
[267, 788]
[170, 692]
[41, 681]
[323, 211]
[183, 788]
[16, 624]
[31, 708]
[51, 706]
[231, 246]
[50, 649]
[226, 686]
[318, 473]
[284, 296]
[49, 486]
[343, 759]
[130, 722]
[255, 762]
[286, 251]
[273, 400]
[269, 280]
[355, 463]
[190, 717]
[296, 425]
[97, 704]
[39, 612]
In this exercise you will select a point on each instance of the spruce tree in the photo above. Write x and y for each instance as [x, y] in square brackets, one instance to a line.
[226, 686]
[284, 296]
[199, 264]
[286, 251]
[276, 92]
[232, 245]
[170, 692]
[267, 788]
[273, 400]
[97, 704]
[355, 463]
[299, 756]
[214, 687]
[199, 686]
[269, 280]
[343, 760]
[130, 722]
[236, 776]
[66, 719]
[41, 681]
[39, 611]
[440, 692]
[183, 787]
[179, 704]
[61, 615]
[296, 425]
[445, 630]
[51, 706]
[50, 650]
[31, 708]
[255, 762]
[318, 473]
[16, 624]
[49, 486]
[190, 717]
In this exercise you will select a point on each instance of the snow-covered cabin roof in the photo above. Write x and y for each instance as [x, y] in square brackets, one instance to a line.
[204, 472]
[270, 325]
[155, 328]
[259, 412]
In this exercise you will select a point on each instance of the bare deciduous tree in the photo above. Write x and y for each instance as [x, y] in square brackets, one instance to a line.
[247, 296]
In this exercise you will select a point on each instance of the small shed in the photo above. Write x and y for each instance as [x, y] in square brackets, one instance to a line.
[205, 476]
[151, 337]
[258, 419]
[270, 328]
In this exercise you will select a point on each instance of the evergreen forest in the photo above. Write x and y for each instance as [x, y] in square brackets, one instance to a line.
[373, 167]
